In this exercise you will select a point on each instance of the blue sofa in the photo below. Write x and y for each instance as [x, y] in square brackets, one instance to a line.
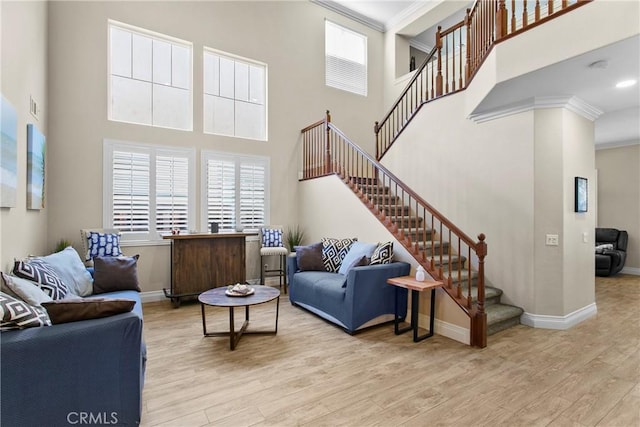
[84, 372]
[358, 300]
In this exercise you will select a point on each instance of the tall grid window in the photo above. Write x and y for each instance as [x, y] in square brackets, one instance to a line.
[235, 96]
[345, 59]
[148, 190]
[150, 78]
[235, 190]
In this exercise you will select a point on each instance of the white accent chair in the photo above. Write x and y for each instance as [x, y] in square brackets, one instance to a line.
[281, 252]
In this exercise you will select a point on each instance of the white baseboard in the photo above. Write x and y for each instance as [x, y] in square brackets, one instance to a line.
[559, 322]
[446, 329]
[631, 270]
[152, 296]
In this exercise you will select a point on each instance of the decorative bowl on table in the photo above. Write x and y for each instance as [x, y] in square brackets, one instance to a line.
[239, 290]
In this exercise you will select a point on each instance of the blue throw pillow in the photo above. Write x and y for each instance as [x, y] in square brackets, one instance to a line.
[272, 238]
[102, 244]
[355, 254]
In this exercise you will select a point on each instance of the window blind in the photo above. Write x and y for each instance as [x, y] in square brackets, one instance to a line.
[130, 191]
[172, 193]
[345, 59]
[236, 190]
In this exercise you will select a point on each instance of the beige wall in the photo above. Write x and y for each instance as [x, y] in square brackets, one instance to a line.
[288, 36]
[480, 176]
[24, 74]
[619, 195]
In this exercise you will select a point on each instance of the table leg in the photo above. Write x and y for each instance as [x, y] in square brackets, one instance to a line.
[396, 318]
[232, 335]
[204, 322]
[432, 316]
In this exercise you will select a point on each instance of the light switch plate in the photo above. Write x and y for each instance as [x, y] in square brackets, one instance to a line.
[552, 240]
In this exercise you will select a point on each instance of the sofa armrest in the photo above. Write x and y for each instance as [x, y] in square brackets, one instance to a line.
[292, 267]
[367, 287]
[618, 257]
[91, 366]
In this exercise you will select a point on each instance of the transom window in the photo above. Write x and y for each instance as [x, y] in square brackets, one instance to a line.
[235, 96]
[150, 78]
[345, 59]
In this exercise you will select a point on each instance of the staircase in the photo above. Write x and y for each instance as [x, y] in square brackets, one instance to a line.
[445, 251]
[438, 252]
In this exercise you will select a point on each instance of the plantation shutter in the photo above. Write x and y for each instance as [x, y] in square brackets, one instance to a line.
[172, 193]
[221, 193]
[130, 191]
[252, 194]
[345, 59]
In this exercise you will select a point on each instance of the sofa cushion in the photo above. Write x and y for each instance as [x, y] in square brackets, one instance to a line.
[102, 244]
[334, 251]
[354, 257]
[309, 258]
[311, 278]
[68, 265]
[115, 274]
[39, 271]
[26, 290]
[383, 254]
[72, 310]
[17, 314]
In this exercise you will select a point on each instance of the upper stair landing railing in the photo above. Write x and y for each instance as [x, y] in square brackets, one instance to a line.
[460, 51]
[447, 253]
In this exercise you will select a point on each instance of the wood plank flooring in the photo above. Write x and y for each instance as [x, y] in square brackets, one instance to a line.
[313, 374]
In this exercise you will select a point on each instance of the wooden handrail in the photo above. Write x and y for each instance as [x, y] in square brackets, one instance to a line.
[486, 23]
[436, 243]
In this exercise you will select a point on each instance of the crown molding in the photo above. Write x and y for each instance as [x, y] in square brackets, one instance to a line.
[571, 103]
[421, 46]
[412, 10]
[353, 15]
[616, 144]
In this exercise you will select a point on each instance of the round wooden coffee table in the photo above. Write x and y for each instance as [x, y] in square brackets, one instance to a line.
[217, 298]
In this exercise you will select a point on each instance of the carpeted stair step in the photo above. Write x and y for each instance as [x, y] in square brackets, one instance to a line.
[363, 180]
[416, 234]
[373, 189]
[383, 199]
[491, 295]
[434, 247]
[394, 210]
[406, 221]
[449, 261]
[501, 317]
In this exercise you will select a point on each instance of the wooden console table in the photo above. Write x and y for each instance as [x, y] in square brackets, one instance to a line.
[202, 261]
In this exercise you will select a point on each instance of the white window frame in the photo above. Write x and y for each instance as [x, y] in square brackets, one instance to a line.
[250, 62]
[343, 74]
[206, 155]
[109, 146]
[154, 36]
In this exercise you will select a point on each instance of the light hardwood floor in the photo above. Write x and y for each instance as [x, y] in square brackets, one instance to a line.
[312, 373]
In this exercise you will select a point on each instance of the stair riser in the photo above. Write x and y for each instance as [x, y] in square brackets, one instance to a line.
[394, 210]
[406, 222]
[436, 249]
[384, 199]
[417, 235]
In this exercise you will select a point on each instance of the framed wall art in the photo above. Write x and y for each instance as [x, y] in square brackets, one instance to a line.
[581, 194]
[36, 151]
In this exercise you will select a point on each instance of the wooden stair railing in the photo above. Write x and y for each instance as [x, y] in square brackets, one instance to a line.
[446, 252]
[458, 54]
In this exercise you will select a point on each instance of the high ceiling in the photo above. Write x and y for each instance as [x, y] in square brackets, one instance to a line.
[620, 119]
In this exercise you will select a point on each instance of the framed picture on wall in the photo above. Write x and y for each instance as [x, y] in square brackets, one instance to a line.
[581, 196]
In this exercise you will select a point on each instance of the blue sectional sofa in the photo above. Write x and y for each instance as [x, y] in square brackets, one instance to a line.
[82, 372]
[354, 301]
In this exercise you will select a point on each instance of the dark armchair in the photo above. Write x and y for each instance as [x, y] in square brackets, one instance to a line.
[610, 259]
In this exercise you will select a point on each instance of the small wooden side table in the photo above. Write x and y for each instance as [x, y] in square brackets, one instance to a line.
[416, 287]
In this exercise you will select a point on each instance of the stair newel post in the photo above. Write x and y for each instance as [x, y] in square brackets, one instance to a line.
[327, 142]
[501, 20]
[376, 130]
[479, 321]
[439, 73]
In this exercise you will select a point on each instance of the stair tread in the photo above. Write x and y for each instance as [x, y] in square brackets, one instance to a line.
[499, 312]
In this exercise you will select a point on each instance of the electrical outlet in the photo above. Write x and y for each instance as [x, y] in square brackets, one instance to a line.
[552, 240]
[34, 109]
